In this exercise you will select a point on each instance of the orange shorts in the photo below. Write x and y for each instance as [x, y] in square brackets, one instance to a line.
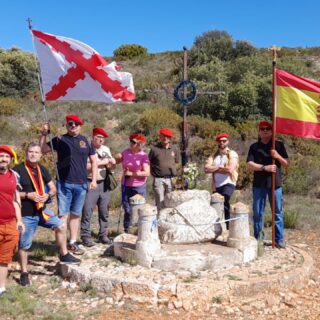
[9, 238]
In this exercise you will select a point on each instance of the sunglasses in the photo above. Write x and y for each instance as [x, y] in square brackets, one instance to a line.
[72, 123]
[265, 129]
[134, 142]
[224, 140]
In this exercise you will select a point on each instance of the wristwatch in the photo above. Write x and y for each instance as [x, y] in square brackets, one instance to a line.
[26, 196]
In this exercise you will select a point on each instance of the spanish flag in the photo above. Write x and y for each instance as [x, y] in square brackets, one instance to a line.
[297, 105]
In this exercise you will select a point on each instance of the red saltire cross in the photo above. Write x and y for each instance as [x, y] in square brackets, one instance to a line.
[92, 66]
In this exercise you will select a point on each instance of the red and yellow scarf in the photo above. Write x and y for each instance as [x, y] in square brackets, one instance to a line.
[38, 186]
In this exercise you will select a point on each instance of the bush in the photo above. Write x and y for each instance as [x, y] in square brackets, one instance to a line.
[9, 106]
[130, 51]
[290, 219]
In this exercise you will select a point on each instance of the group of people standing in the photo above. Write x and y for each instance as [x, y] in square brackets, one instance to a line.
[82, 169]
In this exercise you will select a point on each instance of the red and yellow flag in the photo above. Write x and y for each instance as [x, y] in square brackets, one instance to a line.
[298, 105]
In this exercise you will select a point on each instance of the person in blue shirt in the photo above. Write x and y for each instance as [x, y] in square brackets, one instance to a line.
[73, 151]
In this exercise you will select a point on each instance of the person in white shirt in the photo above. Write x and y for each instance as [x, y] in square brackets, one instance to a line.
[99, 196]
[223, 165]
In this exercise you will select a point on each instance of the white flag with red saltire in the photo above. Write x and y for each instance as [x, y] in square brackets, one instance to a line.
[71, 70]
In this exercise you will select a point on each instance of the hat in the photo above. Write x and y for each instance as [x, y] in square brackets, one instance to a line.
[166, 132]
[138, 138]
[74, 118]
[100, 131]
[263, 124]
[11, 152]
[222, 136]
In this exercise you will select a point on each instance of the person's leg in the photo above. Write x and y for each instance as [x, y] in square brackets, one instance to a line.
[226, 191]
[278, 219]
[25, 242]
[258, 205]
[90, 203]
[78, 197]
[103, 212]
[128, 192]
[159, 191]
[3, 276]
[9, 237]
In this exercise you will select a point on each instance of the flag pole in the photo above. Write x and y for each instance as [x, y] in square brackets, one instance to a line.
[46, 119]
[274, 50]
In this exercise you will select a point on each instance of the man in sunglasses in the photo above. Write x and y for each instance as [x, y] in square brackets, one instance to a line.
[259, 161]
[101, 195]
[223, 165]
[73, 150]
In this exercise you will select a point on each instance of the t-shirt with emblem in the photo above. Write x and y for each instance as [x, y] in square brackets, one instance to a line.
[73, 153]
[163, 161]
[8, 186]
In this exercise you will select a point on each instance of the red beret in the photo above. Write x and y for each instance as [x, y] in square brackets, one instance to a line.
[138, 137]
[74, 118]
[10, 152]
[99, 131]
[166, 132]
[222, 136]
[263, 124]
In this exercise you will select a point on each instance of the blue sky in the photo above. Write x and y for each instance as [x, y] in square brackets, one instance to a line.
[161, 25]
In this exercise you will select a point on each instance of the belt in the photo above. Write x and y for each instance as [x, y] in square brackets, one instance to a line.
[98, 182]
[165, 177]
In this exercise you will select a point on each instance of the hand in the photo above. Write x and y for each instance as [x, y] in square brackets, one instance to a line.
[270, 168]
[274, 154]
[44, 198]
[45, 129]
[93, 185]
[128, 173]
[20, 226]
[33, 196]
[112, 161]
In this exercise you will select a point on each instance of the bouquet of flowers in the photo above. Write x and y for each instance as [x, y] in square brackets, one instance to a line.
[190, 174]
[187, 178]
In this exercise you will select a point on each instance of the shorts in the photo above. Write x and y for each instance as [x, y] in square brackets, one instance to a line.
[71, 197]
[31, 224]
[9, 238]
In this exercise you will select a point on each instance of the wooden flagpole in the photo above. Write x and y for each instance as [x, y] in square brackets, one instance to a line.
[274, 50]
[46, 119]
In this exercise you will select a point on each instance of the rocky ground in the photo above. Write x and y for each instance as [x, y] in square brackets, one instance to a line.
[54, 298]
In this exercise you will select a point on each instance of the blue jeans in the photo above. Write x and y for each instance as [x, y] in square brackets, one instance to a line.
[127, 193]
[32, 222]
[258, 206]
[71, 197]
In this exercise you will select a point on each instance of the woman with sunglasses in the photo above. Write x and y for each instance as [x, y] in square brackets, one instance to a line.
[136, 170]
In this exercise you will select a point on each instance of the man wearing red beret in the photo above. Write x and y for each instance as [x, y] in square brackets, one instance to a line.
[259, 161]
[223, 165]
[99, 196]
[10, 214]
[163, 160]
[73, 150]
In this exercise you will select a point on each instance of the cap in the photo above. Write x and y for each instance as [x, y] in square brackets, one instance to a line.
[263, 124]
[222, 136]
[99, 131]
[75, 118]
[138, 138]
[11, 152]
[166, 132]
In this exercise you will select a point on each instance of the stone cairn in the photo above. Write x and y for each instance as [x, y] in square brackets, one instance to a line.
[190, 217]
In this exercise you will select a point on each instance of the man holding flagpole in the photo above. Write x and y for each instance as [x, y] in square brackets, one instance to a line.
[33, 177]
[73, 150]
[259, 161]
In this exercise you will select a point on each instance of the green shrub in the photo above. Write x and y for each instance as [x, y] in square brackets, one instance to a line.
[130, 51]
[9, 106]
[290, 219]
